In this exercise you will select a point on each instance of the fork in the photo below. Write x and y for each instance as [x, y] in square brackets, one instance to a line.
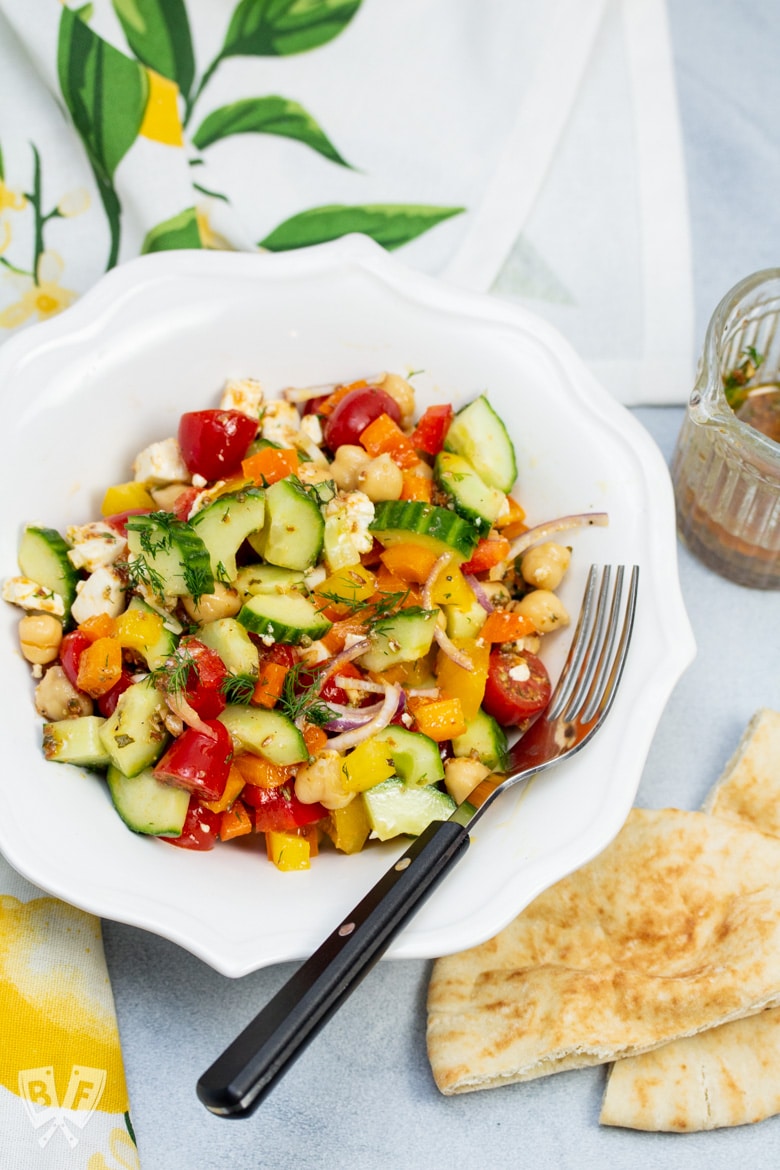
[241, 1077]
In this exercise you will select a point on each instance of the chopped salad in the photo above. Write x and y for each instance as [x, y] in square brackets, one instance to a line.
[313, 618]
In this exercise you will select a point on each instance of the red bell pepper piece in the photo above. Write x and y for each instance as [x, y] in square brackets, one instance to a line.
[278, 809]
[431, 430]
[204, 683]
[198, 762]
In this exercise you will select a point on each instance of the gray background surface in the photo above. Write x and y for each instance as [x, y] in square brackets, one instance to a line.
[362, 1095]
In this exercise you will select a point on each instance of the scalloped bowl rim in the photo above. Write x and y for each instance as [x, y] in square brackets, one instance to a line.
[331, 312]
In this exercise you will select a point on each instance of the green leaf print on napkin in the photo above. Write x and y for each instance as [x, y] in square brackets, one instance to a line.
[158, 32]
[390, 224]
[106, 95]
[276, 28]
[180, 231]
[266, 115]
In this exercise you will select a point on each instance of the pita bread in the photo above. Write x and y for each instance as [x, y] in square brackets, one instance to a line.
[729, 1075]
[673, 929]
[749, 789]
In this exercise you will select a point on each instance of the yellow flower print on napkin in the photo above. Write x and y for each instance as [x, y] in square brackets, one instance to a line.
[9, 201]
[41, 296]
[122, 1150]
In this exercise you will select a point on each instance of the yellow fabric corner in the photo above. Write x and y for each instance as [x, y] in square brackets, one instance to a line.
[57, 1007]
[161, 121]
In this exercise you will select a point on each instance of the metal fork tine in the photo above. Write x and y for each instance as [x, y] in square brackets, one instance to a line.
[611, 685]
[594, 647]
[570, 673]
[600, 673]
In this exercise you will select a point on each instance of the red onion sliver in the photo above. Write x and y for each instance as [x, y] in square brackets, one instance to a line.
[354, 651]
[478, 590]
[441, 638]
[352, 738]
[563, 524]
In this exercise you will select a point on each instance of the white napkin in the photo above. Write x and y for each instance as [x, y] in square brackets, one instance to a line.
[528, 150]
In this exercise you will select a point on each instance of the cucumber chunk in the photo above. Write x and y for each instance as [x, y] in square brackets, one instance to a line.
[269, 734]
[135, 736]
[403, 637]
[471, 496]
[253, 579]
[146, 805]
[416, 757]
[287, 617]
[294, 529]
[176, 559]
[43, 558]
[75, 741]
[232, 642]
[225, 524]
[484, 739]
[464, 622]
[478, 434]
[394, 809]
[399, 521]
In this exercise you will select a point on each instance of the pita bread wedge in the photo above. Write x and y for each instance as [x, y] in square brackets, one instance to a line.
[729, 1075]
[749, 788]
[673, 929]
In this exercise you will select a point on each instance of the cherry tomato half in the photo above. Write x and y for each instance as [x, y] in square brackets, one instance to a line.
[278, 809]
[106, 703]
[198, 762]
[200, 829]
[72, 647]
[517, 687]
[213, 442]
[354, 413]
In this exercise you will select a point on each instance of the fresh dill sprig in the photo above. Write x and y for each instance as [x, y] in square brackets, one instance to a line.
[735, 382]
[173, 675]
[300, 696]
[239, 688]
[140, 572]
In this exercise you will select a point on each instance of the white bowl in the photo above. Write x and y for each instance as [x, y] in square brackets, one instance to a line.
[83, 393]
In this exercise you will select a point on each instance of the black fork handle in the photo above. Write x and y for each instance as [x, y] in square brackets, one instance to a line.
[247, 1070]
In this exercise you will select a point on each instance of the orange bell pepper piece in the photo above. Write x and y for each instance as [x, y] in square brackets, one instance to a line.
[100, 666]
[441, 719]
[262, 773]
[512, 523]
[331, 402]
[270, 465]
[269, 685]
[101, 625]
[488, 553]
[409, 561]
[314, 737]
[504, 626]
[234, 822]
[417, 487]
[231, 791]
[384, 437]
[288, 850]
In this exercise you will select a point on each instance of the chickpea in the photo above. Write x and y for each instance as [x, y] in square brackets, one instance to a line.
[381, 479]
[223, 602]
[57, 698]
[401, 392]
[462, 775]
[497, 593]
[544, 565]
[323, 780]
[545, 609]
[40, 635]
[314, 473]
[349, 462]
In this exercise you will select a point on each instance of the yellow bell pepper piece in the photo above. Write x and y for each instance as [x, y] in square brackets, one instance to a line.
[122, 497]
[367, 765]
[440, 720]
[348, 827]
[345, 589]
[466, 685]
[288, 851]
[452, 588]
[137, 630]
